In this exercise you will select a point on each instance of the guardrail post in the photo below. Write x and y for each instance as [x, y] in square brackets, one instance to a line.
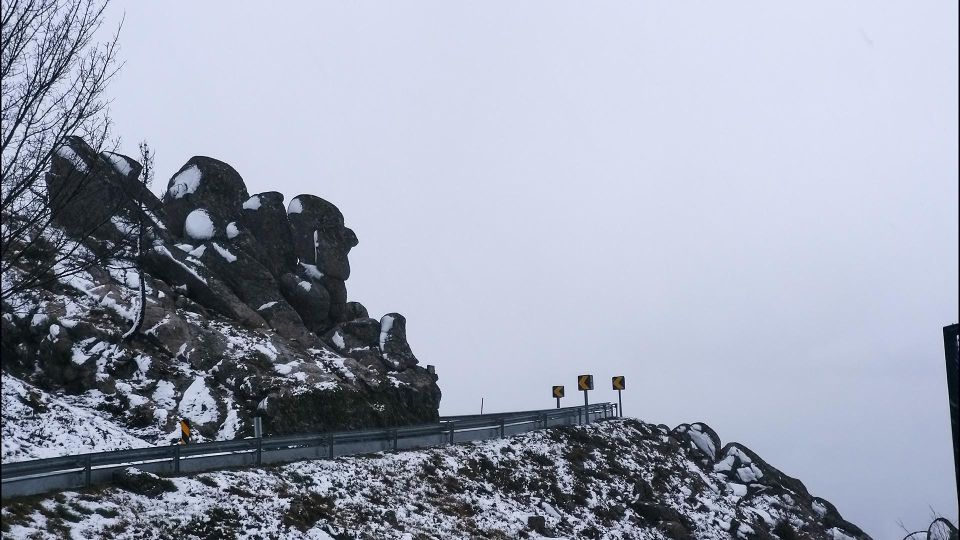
[395, 436]
[176, 459]
[501, 428]
[87, 470]
[259, 451]
[330, 445]
[452, 429]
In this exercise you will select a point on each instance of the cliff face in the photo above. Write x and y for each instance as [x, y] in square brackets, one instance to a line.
[246, 311]
[618, 479]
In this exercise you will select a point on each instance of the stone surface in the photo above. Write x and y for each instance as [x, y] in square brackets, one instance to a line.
[393, 342]
[319, 235]
[205, 183]
[265, 215]
[255, 302]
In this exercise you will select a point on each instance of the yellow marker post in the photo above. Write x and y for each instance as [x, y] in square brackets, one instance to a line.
[585, 383]
[620, 384]
[184, 431]
[558, 393]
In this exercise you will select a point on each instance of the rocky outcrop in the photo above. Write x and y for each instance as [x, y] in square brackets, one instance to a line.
[243, 292]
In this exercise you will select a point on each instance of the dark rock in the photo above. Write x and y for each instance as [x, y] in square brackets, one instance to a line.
[310, 300]
[172, 266]
[537, 524]
[208, 184]
[254, 285]
[319, 235]
[142, 482]
[266, 217]
[336, 288]
[355, 310]
[87, 191]
[393, 342]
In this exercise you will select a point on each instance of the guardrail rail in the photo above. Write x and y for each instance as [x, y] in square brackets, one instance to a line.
[21, 478]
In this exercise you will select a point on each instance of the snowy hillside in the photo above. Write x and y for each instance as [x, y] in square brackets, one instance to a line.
[614, 479]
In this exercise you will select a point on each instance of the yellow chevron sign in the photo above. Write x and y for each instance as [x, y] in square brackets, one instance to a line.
[585, 382]
[619, 383]
[558, 392]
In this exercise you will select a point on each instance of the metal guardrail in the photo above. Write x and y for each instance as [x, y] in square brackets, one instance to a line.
[21, 478]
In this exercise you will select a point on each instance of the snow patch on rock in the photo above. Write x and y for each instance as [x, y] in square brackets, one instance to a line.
[186, 182]
[198, 225]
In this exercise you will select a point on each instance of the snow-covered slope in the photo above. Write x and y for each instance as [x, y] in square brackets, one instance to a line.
[615, 479]
[36, 425]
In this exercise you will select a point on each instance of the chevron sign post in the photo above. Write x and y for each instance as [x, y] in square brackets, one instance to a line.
[619, 384]
[558, 393]
[585, 383]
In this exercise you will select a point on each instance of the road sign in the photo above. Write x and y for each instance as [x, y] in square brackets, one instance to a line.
[585, 382]
[619, 383]
[558, 392]
[184, 431]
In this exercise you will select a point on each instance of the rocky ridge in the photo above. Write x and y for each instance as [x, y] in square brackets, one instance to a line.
[246, 314]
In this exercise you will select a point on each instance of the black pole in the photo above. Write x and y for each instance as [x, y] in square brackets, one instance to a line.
[558, 403]
[951, 350]
[586, 407]
[620, 400]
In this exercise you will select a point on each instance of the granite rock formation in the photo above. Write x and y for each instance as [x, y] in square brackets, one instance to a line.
[247, 311]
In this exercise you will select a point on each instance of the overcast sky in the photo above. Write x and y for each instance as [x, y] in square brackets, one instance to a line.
[748, 209]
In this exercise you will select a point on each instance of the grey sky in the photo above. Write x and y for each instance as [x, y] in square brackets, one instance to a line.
[748, 209]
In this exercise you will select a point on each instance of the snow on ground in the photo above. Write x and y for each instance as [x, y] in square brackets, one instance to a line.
[197, 404]
[615, 479]
[37, 426]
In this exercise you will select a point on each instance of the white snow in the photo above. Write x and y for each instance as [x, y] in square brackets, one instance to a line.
[164, 251]
[312, 271]
[186, 182]
[70, 155]
[338, 340]
[267, 348]
[198, 225]
[386, 323]
[253, 203]
[56, 429]
[703, 441]
[164, 395]
[295, 206]
[305, 285]
[119, 163]
[230, 257]
[232, 230]
[198, 404]
[268, 305]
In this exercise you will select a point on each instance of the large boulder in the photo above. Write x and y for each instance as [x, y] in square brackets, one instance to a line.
[393, 344]
[265, 216]
[173, 265]
[320, 238]
[310, 300]
[91, 193]
[206, 184]
[255, 285]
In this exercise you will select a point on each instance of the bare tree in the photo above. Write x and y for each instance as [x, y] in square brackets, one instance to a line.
[54, 74]
[146, 177]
